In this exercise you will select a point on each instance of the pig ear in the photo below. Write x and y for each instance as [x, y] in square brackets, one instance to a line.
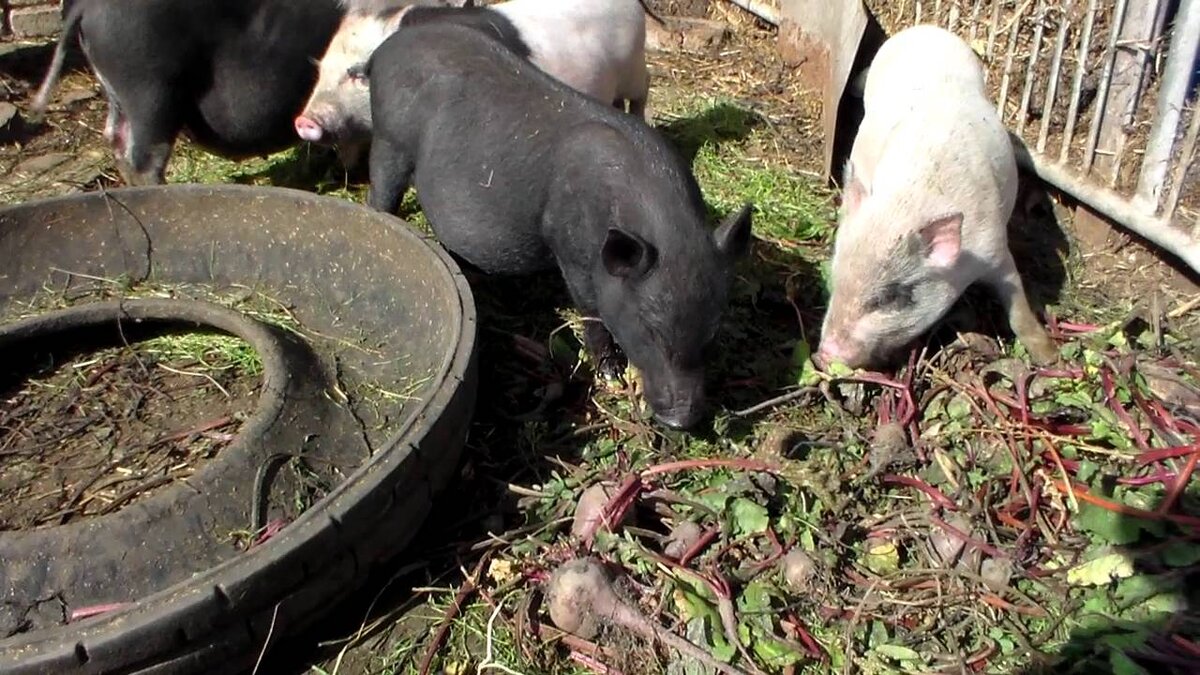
[853, 190]
[394, 23]
[627, 255]
[733, 236]
[941, 239]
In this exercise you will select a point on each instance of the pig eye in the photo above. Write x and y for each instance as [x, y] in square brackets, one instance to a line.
[357, 73]
[893, 296]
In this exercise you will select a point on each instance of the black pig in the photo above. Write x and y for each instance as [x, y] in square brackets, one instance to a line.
[233, 73]
[517, 172]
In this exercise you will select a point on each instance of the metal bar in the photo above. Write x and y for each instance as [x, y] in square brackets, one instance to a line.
[917, 12]
[1187, 154]
[974, 22]
[760, 9]
[1035, 52]
[995, 28]
[1142, 20]
[1181, 60]
[1008, 62]
[1089, 152]
[1114, 206]
[1052, 86]
[1149, 51]
[1085, 39]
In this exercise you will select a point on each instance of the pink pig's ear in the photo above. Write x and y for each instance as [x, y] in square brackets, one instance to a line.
[942, 239]
[853, 190]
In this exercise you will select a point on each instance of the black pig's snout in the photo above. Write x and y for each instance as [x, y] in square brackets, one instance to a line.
[680, 420]
[677, 399]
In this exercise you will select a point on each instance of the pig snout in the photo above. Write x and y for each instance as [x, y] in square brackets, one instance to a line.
[309, 129]
[838, 347]
[676, 398]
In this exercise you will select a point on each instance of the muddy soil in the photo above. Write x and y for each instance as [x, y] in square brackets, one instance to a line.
[86, 434]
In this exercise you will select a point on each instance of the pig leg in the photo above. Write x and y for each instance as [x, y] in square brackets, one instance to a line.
[640, 93]
[116, 132]
[391, 172]
[1021, 319]
[610, 362]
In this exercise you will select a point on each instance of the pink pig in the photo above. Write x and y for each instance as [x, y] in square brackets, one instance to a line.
[929, 188]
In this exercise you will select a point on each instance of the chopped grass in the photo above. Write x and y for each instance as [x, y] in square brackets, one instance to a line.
[732, 163]
[206, 351]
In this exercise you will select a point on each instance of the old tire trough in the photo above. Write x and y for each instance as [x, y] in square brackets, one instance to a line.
[377, 308]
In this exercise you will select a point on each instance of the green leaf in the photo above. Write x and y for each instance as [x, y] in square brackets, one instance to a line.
[807, 542]
[958, 408]
[748, 517]
[806, 371]
[755, 598]
[1130, 638]
[1101, 430]
[1181, 554]
[1087, 469]
[562, 348]
[1163, 603]
[838, 369]
[1097, 612]
[774, 653]
[713, 499]
[1138, 589]
[898, 652]
[883, 557]
[1074, 399]
[1112, 527]
[1123, 665]
[1101, 571]
[878, 635]
[721, 649]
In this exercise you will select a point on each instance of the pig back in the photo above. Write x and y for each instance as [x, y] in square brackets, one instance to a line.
[920, 61]
[948, 156]
[481, 127]
[591, 46]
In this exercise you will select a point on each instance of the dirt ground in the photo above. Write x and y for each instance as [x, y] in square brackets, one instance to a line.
[87, 434]
[548, 430]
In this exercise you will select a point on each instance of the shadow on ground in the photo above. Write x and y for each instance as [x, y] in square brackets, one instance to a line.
[720, 123]
[22, 68]
[1147, 618]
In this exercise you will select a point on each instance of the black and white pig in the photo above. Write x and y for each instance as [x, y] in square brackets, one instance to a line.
[599, 48]
[518, 172]
[232, 73]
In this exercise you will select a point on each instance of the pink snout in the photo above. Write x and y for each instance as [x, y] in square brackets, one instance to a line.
[308, 129]
[834, 349]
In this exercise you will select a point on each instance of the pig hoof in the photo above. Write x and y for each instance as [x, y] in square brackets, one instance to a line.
[1043, 351]
[611, 368]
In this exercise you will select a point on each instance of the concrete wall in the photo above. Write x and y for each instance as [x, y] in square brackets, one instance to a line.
[30, 18]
